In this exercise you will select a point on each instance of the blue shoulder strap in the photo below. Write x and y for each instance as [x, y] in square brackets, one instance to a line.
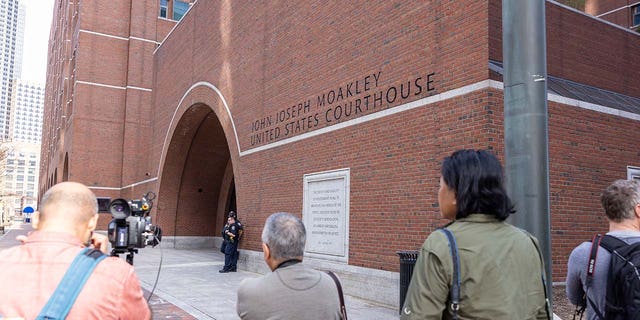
[69, 288]
[454, 292]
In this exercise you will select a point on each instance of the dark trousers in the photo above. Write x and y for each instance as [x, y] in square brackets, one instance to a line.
[235, 259]
[230, 256]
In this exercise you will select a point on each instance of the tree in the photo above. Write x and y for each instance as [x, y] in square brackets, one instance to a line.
[5, 151]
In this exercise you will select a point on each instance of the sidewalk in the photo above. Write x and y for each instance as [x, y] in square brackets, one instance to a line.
[190, 286]
[190, 280]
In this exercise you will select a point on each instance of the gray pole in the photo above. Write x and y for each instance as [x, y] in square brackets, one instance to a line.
[525, 119]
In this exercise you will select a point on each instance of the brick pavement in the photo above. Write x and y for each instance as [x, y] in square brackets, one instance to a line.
[163, 309]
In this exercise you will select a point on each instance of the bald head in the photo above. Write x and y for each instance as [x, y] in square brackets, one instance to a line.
[68, 202]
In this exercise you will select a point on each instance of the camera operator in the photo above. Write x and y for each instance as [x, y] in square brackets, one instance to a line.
[64, 226]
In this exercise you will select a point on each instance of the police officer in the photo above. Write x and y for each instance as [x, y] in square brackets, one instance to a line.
[230, 234]
[240, 229]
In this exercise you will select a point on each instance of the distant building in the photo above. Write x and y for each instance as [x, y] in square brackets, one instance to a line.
[19, 180]
[624, 13]
[21, 113]
[20, 166]
[12, 15]
[26, 114]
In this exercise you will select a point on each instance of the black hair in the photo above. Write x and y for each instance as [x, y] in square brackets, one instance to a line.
[476, 178]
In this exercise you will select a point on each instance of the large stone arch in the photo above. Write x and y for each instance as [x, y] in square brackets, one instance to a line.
[65, 170]
[196, 169]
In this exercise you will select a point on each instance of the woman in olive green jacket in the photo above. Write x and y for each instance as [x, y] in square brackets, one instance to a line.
[500, 267]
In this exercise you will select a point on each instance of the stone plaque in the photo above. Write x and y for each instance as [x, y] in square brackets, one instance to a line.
[326, 214]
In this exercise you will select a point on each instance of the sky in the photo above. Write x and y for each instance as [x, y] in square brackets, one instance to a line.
[36, 39]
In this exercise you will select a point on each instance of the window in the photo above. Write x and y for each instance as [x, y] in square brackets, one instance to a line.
[20, 177]
[163, 8]
[633, 173]
[635, 11]
[179, 9]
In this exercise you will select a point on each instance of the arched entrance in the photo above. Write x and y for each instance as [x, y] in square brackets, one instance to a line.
[197, 176]
[231, 198]
[65, 170]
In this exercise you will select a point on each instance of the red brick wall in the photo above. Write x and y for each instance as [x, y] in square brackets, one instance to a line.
[615, 11]
[588, 150]
[621, 17]
[109, 126]
[108, 17]
[598, 7]
[394, 162]
[581, 49]
[285, 59]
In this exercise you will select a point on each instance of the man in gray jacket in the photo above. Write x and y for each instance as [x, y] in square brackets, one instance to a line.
[621, 204]
[292, 290]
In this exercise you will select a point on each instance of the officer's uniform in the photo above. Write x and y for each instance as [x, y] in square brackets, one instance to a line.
[234, 261]
[230, 247]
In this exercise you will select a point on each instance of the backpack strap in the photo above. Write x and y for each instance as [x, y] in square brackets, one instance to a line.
[69, 288]
[343, 309]
[596, 242]
[547, 305]
[591, 265]
[454, 291]
[612, 243]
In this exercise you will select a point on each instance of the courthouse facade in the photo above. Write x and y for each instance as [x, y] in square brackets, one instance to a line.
[341, 113]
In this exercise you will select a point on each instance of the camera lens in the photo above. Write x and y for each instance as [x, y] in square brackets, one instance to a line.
[119, 209]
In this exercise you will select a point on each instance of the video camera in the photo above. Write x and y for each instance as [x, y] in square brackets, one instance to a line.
[131, 226]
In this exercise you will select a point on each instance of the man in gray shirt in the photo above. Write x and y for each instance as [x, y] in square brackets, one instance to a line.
[292, 290]
[621, 203]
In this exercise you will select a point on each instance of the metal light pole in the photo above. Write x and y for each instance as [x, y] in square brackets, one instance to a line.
[525, 119]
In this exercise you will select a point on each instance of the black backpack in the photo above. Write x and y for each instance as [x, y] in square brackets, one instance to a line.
[240, 229]
[623, 279]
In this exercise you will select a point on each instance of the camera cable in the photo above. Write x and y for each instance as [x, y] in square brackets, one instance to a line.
[159, 268]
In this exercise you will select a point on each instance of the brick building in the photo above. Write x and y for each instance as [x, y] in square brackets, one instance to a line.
[98, 93]
[12, 16]
[623, 13]
[342, 113]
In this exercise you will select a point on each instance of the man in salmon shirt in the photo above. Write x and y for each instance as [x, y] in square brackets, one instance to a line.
[64, 225]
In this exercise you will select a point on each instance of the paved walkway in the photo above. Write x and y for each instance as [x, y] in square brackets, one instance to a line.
[190, 280]
[190, 287]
